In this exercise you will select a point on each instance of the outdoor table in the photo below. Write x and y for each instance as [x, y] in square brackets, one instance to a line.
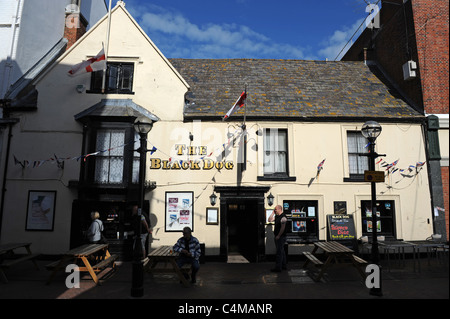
[8, 250]
[334, 252]
[398, 246]
[166, 255]
[84, 255]
[428, 245]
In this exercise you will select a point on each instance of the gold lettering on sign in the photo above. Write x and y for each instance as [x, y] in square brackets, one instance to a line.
[182, 149]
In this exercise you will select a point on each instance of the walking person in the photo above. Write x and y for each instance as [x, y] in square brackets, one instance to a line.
[280, 237]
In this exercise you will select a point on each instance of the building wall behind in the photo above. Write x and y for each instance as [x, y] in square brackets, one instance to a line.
[431, 30]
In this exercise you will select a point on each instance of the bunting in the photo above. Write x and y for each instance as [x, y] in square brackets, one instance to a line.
[60, 160]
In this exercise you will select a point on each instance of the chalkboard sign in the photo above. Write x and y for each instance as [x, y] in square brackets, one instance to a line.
[341, 227]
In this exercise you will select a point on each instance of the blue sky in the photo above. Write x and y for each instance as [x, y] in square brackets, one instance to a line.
[261, 29]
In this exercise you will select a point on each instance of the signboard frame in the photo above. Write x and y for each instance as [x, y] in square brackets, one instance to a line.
[179, 211]
[341, 227]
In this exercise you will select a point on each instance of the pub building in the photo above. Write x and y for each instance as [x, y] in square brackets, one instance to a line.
[296, 143]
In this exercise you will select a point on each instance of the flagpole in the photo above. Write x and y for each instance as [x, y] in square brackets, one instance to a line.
[107, 47]
[245, 107]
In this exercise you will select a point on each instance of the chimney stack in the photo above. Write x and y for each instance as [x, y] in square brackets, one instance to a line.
[75, 25]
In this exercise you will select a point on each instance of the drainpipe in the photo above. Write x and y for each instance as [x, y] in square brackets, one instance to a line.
[4, 176]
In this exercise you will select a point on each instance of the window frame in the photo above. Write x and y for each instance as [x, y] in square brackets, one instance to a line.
[276, 175]
[128, 153]
[97, 79]
[348, 176]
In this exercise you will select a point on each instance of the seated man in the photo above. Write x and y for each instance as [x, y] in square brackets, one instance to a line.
[189, 248]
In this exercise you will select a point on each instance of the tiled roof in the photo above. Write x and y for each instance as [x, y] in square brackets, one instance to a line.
[289, 89]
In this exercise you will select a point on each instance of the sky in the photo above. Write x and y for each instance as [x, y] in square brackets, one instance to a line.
[259, 29]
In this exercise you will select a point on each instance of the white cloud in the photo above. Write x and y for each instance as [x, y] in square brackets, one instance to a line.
[340, 38]
[176, 36]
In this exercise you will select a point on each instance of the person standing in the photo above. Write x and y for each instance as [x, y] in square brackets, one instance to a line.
[280, 237]
[189, 248]
[144, 223]
[94, 233]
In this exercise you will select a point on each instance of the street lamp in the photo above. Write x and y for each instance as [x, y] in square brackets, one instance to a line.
[142, 126]
[371, 130]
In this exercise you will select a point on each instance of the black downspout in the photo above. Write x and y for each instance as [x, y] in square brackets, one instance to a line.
[4, 176]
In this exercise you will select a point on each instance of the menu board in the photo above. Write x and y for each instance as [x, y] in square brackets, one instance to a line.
[341, 227]
[179, 210]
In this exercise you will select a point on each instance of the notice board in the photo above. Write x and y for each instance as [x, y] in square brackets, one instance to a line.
[341, 227]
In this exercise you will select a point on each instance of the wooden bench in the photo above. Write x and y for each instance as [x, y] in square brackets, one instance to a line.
[312, 259]
[11, 262]
[359, 260]
[98, 254]
[165, 255]
[334, 253]
[106, 262]
[9, 257]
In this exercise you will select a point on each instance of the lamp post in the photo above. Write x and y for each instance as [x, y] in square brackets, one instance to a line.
[142, 125]
[371, 130]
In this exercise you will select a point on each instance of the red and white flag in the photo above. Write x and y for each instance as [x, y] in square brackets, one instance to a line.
[239, 103]
[96, 63]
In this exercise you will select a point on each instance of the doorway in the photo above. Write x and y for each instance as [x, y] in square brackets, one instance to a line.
[242, 214]
[242, 224]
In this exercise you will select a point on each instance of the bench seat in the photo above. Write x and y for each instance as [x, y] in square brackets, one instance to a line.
[11, 262]
[313, 259]
[106, 262]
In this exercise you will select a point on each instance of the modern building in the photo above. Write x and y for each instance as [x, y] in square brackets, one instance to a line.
[410, 48]
[72, 149]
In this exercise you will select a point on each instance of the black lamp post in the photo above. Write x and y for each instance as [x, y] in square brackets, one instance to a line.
[142, 125]
[371, 130]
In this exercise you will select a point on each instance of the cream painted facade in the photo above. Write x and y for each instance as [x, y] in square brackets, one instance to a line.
[160, 89]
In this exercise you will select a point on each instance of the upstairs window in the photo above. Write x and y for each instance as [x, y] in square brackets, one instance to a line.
[357, 164]
[119, 79]
[275, 153]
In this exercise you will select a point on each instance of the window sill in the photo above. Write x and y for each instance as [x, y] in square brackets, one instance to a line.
[354, 179]
[100, 92]
[276, 178]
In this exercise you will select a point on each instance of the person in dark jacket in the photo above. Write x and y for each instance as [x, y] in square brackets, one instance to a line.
[189, 248]
[280, 237]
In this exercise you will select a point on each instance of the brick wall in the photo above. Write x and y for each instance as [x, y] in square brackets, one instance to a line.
[431, 24]
[75, 28]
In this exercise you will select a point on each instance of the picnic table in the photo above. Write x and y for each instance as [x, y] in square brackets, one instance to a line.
[398, 247]
[333, 253]
[83, 256]
[9, 257]
[166, 255]
[429, 245]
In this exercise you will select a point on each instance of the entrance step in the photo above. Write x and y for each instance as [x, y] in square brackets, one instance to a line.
[236, 258]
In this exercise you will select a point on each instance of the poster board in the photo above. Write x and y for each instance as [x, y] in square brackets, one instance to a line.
[341, 227]
[179, 211]
[41, 210]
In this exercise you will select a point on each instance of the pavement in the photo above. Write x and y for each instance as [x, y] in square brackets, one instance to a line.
[240, 282]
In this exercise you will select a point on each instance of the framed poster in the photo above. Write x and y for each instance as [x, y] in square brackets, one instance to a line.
[340, 207]
[41, 210]
[212, 216]
[179, 211]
